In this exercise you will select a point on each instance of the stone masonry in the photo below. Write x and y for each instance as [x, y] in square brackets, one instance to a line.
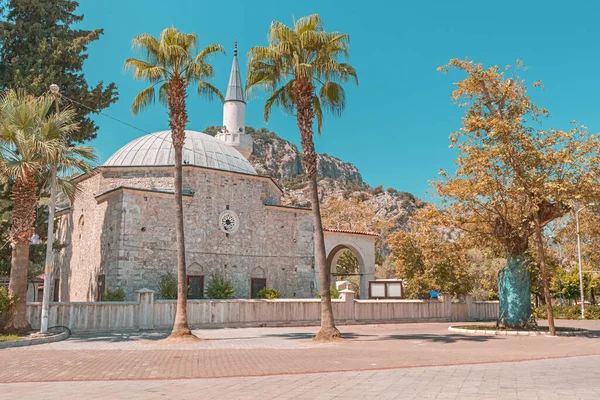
[122, 226]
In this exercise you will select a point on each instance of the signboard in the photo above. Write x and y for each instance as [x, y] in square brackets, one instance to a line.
[385, 289]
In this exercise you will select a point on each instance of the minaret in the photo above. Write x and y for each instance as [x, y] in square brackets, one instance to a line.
[234, 112]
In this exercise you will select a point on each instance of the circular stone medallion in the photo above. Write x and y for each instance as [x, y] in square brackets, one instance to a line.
[229, 221]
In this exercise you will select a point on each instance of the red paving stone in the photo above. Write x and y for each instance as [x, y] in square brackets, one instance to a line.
[273, 351]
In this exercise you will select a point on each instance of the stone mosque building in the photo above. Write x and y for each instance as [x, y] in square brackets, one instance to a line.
[120, 231]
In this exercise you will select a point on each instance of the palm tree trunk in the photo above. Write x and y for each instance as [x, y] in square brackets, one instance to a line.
[304, 90]
[544, 273]
[177, 121]
[24, 196]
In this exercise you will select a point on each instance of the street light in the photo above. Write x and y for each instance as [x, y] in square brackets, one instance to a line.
[581, 291]
[48, 270]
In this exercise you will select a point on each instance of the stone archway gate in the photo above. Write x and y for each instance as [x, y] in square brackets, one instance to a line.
[362, 244]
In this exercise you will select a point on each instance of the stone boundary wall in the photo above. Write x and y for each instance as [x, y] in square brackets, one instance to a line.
[148, 314]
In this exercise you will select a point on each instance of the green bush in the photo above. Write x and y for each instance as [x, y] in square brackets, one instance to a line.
[114, 295]
[333, 293]
[5, 300]
[376, 191]
[219, 287]
[168, 287]
[268, 293]
[568, 312]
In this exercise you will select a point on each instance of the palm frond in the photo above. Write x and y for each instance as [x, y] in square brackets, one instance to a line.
[142, 100]
[309, 22]
[318, 112]
[209, 91]
[282, 97]
[333, 97]
[150, 45]
[144, 70]
[163, 94]
[207, 51]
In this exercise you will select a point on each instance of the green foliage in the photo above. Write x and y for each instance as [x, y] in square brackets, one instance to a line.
[168, 286]
[377, 190]
[347, 263]
[40, 47]
[269, 293]
[566, 284]
[114, 295]
[362, 196]
[303, 52]
[296, 182]
[171, 60]
[407, 197]
[333, 293]
[5, 300]
[219, 287]
[568, 312]
[10, 338]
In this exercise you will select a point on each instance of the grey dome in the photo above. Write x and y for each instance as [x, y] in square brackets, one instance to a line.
[199, 149]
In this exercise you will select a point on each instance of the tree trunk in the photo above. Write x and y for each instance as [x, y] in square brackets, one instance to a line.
[178, 121]
[304, 90]
[514, 294]
[24, 196]
[544, 273]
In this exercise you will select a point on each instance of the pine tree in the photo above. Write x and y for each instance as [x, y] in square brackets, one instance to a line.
[39, 47]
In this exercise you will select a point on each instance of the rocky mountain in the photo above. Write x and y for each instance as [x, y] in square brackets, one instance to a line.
[276, 157]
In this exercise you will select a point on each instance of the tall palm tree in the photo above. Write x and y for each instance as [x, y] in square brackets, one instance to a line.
[29, 139]
[300, 69]
[171, 63]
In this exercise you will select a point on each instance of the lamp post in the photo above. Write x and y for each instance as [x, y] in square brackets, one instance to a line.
[581, 291]
[54, 89]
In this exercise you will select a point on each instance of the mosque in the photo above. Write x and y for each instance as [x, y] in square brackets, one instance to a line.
[119, 232]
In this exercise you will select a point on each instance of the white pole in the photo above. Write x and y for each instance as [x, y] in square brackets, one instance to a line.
[581, 291]
[50, 241]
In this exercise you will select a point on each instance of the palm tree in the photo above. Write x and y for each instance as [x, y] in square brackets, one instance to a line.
[171, 63]
[300, 69]
[29, 139]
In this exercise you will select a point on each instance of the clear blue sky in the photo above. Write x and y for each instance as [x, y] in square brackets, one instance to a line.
[396, 125]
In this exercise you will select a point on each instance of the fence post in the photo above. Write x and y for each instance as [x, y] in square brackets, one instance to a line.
[145, 298]
[447, 300]
[470, 309]
[347, 297]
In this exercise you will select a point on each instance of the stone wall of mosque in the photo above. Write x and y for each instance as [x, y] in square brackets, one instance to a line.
[130, 236]
[89, 236]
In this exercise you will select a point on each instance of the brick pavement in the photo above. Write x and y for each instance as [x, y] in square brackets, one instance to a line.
[270, 351]
[566, 378]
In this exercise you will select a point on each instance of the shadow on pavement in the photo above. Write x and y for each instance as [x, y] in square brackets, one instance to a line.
[310, 335]
[118, 337]
[449, 338]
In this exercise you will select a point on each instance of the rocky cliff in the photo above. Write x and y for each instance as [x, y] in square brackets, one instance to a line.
[276, 157]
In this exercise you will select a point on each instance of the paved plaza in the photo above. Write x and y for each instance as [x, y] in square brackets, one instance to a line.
[404, 361]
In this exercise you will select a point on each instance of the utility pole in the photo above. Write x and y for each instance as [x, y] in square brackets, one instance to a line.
[581, 291]
[48, 271]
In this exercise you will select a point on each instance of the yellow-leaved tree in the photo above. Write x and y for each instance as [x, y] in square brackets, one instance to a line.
[512, 177]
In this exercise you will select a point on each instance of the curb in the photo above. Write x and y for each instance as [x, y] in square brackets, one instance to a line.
[29, 342]
[516, 333]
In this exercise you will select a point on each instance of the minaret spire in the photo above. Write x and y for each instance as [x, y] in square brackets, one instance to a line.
[234, 111]
[235, 90]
